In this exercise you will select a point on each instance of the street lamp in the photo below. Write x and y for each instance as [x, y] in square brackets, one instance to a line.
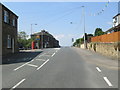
[83, 11]
[31, 27]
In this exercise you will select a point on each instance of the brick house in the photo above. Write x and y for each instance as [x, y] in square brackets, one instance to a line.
[44, 39]
[8, 31]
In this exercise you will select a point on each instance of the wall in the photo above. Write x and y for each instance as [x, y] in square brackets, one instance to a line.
[0, 47]
[107, 38]
[108, 49]
[0, 31]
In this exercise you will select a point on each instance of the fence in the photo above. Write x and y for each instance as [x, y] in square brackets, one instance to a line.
[107, 38]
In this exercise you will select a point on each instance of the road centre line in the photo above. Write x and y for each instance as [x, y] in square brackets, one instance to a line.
[53, 54]
[32, 65]
[43, 64]
[23, 65]
[18, 84]
[98, 69]
[107, 81]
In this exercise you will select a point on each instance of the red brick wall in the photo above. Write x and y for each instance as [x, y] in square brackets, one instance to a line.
[107, 38]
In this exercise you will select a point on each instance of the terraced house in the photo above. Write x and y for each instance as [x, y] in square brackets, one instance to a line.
[8, 31]
[44, 39]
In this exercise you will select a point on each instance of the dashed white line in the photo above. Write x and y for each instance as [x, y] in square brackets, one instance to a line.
[53, 54]
[43, 64]
[98, 69]
[18, 84]
[32, 65]
[107, 81]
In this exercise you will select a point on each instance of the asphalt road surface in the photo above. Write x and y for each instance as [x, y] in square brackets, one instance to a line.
[66, 67]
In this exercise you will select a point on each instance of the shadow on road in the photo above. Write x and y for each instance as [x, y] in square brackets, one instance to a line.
[19, 57]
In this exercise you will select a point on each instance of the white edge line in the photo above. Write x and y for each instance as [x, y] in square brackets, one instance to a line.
[18, 84]
[53, 54]
[43, 64]
[98, 69]
[107, 81]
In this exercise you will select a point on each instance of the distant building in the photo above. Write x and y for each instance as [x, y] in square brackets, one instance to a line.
[8, 31]
[44, 39]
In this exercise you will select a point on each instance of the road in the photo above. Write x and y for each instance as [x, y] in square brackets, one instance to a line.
[66, 67]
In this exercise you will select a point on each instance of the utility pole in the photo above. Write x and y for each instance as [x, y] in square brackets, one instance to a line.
[83, 11]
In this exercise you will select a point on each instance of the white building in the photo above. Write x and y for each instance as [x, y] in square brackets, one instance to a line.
[116, 20]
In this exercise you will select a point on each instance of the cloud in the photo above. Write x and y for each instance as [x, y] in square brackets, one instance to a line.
[59, 36]
[66, 39]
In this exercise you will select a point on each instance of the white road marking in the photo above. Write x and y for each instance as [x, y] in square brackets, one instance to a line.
[98, 69]
[46, 55]
[32, 65]
[107, 81]
[53, 54]
[42, 55]
[23, 65]
[57, 48]
[18, 84]
[43, 64]
[40, 59]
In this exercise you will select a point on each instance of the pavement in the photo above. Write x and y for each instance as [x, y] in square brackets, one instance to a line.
[67, 67]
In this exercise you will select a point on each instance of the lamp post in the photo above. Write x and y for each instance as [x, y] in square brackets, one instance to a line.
[31, 36]
[31, 28]
[83, 11]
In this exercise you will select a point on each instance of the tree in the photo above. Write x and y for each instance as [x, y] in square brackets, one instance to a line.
[98, 32]
[78, 42]
[22, 40]
[22, 35]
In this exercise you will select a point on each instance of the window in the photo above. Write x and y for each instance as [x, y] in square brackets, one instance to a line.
[13, 22]
[6, 17]
[9, 42]
[48, 38]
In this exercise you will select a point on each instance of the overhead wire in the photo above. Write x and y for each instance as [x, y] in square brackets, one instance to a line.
[68, 12]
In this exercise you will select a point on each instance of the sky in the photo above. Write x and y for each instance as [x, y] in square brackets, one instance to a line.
[64, 20]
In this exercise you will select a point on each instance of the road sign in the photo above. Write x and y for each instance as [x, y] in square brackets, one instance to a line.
[37, 38]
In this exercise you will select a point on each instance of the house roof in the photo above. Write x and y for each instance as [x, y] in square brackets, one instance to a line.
[8, 9]
[43, 32]
[113, 28]
[116, 15]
